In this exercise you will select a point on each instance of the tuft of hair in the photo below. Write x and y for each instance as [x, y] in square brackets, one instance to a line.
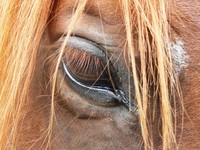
[148, 18]
[22, 24]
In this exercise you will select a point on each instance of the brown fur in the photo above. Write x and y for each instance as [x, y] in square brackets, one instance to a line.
[83, 126]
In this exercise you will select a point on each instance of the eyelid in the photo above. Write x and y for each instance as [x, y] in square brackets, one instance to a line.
[79, 83]
[109, 95]
[86, 45]
[101, 93]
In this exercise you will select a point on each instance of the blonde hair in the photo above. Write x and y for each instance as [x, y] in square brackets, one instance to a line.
[22, 24]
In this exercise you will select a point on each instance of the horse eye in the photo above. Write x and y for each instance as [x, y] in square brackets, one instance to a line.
[88, 72]
[88, 69]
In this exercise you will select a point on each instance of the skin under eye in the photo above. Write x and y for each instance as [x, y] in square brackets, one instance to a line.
[88, 72]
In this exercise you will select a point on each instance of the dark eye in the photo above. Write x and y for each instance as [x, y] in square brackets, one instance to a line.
[88, 69]
[89, 73]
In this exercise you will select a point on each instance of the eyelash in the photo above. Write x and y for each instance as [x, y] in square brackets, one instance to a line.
[82, 61]
[89, 66]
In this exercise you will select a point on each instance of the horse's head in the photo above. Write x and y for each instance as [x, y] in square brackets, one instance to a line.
[107, 75]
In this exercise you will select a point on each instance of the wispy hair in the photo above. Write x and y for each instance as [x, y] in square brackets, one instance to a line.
[22, 24]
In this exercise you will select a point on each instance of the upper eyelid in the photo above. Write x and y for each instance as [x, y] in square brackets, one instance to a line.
[87, 46]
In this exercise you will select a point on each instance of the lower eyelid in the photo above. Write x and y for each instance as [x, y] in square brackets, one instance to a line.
[100, 96]
[104, 95]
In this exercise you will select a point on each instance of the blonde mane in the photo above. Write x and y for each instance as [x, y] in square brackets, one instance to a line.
[22, 24]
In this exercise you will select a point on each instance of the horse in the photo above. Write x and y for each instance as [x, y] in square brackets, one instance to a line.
[99, 74]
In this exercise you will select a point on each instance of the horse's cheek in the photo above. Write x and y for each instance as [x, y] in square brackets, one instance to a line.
[189, 30]
[94, 133]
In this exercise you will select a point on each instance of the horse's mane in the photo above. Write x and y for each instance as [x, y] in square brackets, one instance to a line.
[22, 24]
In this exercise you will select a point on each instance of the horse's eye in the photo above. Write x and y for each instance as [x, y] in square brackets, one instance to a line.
[87, 68]
[88, 72]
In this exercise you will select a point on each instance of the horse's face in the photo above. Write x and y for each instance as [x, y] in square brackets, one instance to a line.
[83, 123]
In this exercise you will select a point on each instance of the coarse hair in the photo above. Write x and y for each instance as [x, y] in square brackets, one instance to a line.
[22, 24]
